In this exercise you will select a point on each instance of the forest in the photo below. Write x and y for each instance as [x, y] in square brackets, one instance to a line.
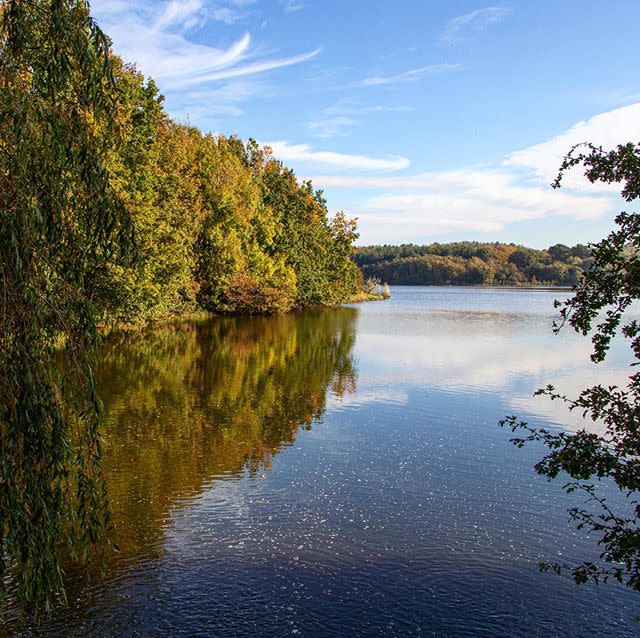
[469, 263]
[219, 225]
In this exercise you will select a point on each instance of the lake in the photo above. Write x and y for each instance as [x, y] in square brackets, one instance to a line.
[342, 473]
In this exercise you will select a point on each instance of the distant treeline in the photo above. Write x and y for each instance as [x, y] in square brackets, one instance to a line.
[468, 263]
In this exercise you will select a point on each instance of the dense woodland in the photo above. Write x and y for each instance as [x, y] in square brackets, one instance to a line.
[219, 225]
[467, 263]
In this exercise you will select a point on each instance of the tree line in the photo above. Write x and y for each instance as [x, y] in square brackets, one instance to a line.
[220, 225]
[469, 263]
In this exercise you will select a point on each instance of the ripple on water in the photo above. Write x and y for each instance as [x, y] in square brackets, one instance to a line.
[402, 511]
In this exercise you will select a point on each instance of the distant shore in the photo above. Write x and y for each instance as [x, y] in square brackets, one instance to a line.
[514, 286]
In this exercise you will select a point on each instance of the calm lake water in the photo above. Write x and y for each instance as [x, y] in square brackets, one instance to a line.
[341, 473]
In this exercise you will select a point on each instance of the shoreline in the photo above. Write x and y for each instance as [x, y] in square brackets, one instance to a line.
[363, 297]
[503, 286]
[358, 298]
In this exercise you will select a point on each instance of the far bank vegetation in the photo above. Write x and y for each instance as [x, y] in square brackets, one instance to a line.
[474, 263]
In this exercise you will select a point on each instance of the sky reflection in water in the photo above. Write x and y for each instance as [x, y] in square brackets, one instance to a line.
[341, 473]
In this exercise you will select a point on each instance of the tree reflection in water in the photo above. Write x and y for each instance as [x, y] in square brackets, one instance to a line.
[199, 401]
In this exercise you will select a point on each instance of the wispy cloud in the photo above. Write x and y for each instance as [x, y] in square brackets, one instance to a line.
[332, 126]
[352, 108]
[178, 13]
[460, 27]
[158, 37]
[292, 6]
[412, 75]
[229, 11]
[250, 69]
[303, 154]
[221, 101]
[338, 120]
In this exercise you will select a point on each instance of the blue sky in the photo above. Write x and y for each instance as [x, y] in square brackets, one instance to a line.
[427, 120]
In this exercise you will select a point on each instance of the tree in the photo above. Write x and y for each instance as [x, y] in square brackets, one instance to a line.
[524, 257]
[317, 250]
[589, 458]
[560, 252]
[581, 251]
[60, 222]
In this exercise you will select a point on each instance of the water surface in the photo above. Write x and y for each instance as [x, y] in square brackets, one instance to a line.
[341, 473]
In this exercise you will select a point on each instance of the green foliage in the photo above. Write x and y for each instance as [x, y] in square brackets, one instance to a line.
[469, 263]
[235, 245]
[610, 452]
[89, 160]
[211, 216]
[61, 222]
[560, 252]
[524, 258]
[343, 276]
[317, 249]
[153, 173]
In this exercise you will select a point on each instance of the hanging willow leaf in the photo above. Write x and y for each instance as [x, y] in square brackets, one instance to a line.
[59, 221]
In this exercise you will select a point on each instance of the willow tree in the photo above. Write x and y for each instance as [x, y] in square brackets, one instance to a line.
[60, 222]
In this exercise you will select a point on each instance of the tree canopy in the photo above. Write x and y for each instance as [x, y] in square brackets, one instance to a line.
[468, 263]
[221, 225]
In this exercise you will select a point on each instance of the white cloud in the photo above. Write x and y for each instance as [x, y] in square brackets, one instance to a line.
[332, 126]
[463, 25]
[499, 189]
[177, 13]
[344, 107]
[203, 102]
[605, 129]
[479, 201]
[250, 69]
[156, 36]
[302, 153]
[486, 200]
[292, 6]
[337, 120]
[412, 75]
